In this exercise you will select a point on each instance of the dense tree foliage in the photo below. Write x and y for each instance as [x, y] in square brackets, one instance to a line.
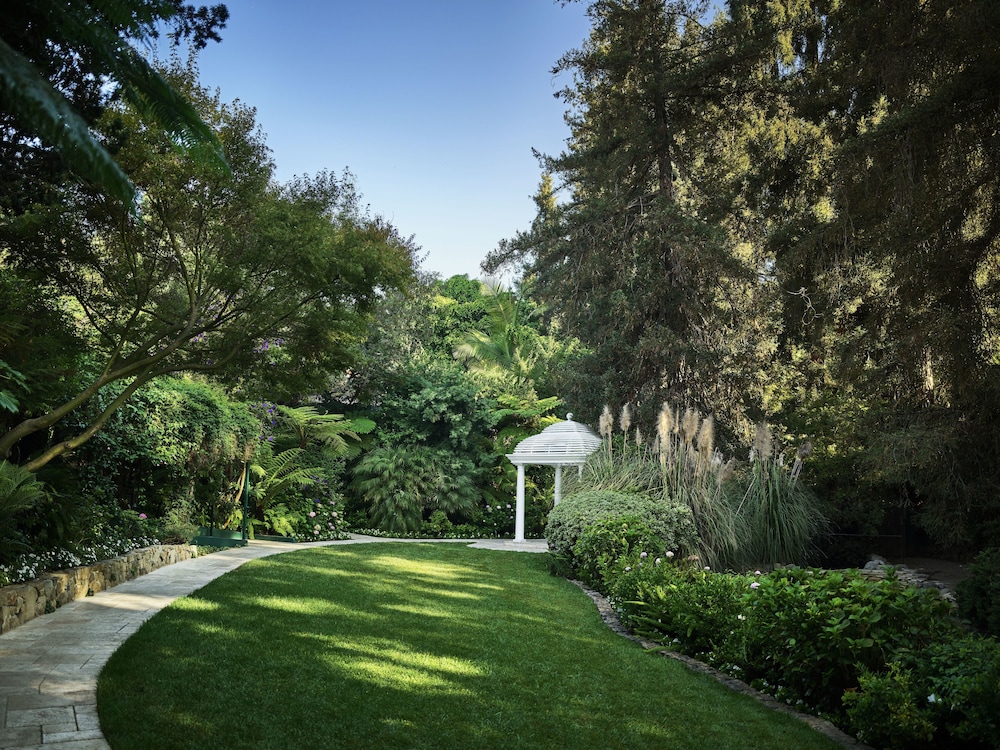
[62, 62]
[217, 271]
[790, 212]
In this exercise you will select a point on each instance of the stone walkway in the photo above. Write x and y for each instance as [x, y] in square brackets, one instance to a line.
[49, 666]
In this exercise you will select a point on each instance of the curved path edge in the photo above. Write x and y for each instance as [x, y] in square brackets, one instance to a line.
[49, 666]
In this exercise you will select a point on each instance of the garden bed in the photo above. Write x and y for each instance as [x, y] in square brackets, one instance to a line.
[23, 602]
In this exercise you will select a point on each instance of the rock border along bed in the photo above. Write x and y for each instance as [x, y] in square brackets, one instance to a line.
[23, 602]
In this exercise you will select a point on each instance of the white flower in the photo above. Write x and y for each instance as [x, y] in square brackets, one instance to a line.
[643, 554]
[669, 553]
[932, 698]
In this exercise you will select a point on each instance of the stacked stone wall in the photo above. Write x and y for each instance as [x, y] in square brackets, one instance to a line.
[22, 602]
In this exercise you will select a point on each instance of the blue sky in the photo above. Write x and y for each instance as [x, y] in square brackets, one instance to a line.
[434, 105]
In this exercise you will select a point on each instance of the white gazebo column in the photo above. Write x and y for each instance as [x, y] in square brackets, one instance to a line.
[519, 513]
[558, 484]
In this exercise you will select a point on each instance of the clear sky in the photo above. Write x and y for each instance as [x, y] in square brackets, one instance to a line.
[434, 105]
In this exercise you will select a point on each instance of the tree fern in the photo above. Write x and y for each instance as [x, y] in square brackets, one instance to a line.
[19, 491]
[332, 430]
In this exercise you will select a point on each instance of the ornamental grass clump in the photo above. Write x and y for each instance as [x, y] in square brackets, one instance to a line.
[780, 517]
[695, 473]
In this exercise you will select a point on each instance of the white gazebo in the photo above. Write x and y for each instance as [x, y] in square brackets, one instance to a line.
[561, 444]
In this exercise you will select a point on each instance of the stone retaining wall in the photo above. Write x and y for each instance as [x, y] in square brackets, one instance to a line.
[22, 602]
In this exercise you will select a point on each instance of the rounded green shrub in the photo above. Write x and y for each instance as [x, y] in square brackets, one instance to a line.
[610, 539]
[575, 514]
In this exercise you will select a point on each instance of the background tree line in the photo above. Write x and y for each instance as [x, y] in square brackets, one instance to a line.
[179, 330]
[789, 213]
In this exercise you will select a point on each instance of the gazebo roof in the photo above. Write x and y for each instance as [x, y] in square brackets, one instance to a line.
[560, 444]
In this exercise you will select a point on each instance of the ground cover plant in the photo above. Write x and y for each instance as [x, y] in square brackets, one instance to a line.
[395, 645]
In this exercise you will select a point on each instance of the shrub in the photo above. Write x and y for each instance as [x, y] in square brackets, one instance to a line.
[944, 695]
[683, 605]
[402, 484]
[811, 632]
[963, 676]
[568, 520]
[979, 595]
[885, 712]
[602, 544]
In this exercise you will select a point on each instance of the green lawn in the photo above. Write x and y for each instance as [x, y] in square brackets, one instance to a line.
[395, 645]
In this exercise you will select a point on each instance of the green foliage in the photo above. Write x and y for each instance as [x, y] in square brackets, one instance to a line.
[944, 695]
[874, 656]
[569, 520]
[979, 594]
[13, 379]
[883, 711]
[211, 270]
[781, 517]
[273, 476]
[683, 604]
[603, 543]
[101, 40]
[332, 431]
[402, 484]
[630, 469]
[963, 676]
[20, 491]
[176, 446]
[811, 632]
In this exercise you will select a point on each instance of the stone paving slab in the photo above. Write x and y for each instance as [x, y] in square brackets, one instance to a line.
[49, 665]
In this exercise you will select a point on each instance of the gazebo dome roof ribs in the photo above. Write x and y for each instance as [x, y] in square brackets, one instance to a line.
[562, 444]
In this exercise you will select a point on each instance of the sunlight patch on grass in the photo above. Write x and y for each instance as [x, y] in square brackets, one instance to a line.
[413, 609]
[299, 605]
[430, 572]
[388, 663]
[189, 604]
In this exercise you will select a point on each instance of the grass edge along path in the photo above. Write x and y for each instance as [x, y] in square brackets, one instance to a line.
[392, 645]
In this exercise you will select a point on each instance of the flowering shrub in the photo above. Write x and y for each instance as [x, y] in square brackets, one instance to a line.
[811, 632]
[498, 519]
[325, 521]
[874, 656]
[29, 566]
[602, 544]
[683, 604]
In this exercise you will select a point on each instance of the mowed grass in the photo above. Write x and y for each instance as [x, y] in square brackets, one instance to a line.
[394, 645]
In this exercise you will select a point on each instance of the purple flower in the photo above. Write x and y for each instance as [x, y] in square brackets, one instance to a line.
[142, 516]
[755, 585]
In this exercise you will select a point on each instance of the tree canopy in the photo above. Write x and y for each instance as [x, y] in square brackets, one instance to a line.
[789, 211]
[216, 271]
[61, 62]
